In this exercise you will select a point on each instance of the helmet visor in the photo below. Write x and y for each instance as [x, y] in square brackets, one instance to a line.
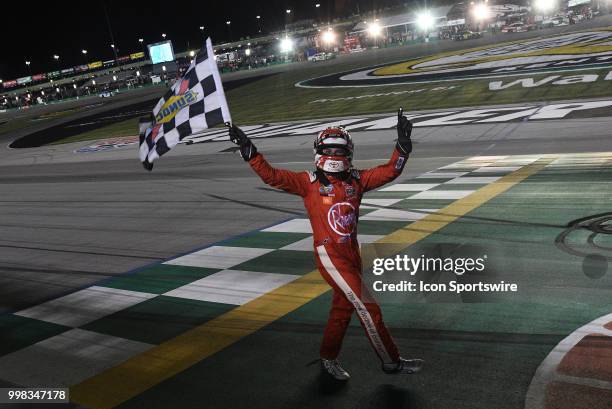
[333, 151]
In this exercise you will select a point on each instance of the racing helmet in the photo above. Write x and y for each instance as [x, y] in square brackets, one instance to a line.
[333, 149]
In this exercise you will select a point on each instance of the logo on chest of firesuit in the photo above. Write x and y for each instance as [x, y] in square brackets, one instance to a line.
[350, 191]
[342, 218]
[326, 190]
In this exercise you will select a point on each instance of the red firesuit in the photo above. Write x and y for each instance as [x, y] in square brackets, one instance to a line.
[333, 209]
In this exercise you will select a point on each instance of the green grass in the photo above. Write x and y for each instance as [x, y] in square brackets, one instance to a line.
[277, 99]
[129, 127]
[13, 125]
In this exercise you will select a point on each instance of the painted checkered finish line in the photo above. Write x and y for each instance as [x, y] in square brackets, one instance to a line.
[490, 115]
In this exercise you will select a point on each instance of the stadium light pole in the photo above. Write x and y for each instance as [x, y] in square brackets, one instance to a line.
[228, 23]
[56, 59]
[258, 18]
[110, 32]
[29, 68]
[164, 36]
[141, 41]
[287, 19]
[84, 52]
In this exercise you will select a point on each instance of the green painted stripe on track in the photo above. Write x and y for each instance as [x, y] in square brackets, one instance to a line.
[159, 279]
[159, 319]
[18, 332]
[281, 262]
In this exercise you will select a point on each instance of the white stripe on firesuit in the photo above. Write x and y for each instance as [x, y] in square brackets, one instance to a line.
[362, 311]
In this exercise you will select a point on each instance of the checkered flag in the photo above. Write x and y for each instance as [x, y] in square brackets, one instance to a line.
[194, 103]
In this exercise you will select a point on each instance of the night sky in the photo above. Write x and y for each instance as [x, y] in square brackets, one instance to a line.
[35, 31]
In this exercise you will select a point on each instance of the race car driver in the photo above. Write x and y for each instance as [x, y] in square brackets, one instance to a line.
[332, 195]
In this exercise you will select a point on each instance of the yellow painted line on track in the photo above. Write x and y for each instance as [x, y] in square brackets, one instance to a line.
[141, 372]
[134, 376]
[435, 221]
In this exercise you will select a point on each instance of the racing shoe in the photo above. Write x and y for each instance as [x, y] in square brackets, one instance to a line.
[332, 368]
[404, 366]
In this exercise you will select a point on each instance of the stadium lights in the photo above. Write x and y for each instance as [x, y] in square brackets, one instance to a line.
[84, 52]
[544, 5]
[481, 11]
[55, 57]
[112, 45]
[374, 29]
[247, 52]
[228, 22]
[164, 35]
[140, 40]
[329, 37]
[258, 17]
[202, 28]
[191, 53]
[286, 45]
[318, 5]
[27, 63]
[425, 21]
[0, 80]
[288, 11]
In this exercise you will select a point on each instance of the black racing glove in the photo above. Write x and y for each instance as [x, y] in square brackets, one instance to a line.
[247, 149]
[404, 129]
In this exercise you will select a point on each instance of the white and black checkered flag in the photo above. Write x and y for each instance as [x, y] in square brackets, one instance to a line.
[194, 103]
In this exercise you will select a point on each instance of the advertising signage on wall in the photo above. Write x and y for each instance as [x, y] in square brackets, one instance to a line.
[24, 80]
[10, 84]
[572, 3]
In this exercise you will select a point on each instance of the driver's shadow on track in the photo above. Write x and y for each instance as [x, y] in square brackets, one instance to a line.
[384, 396]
